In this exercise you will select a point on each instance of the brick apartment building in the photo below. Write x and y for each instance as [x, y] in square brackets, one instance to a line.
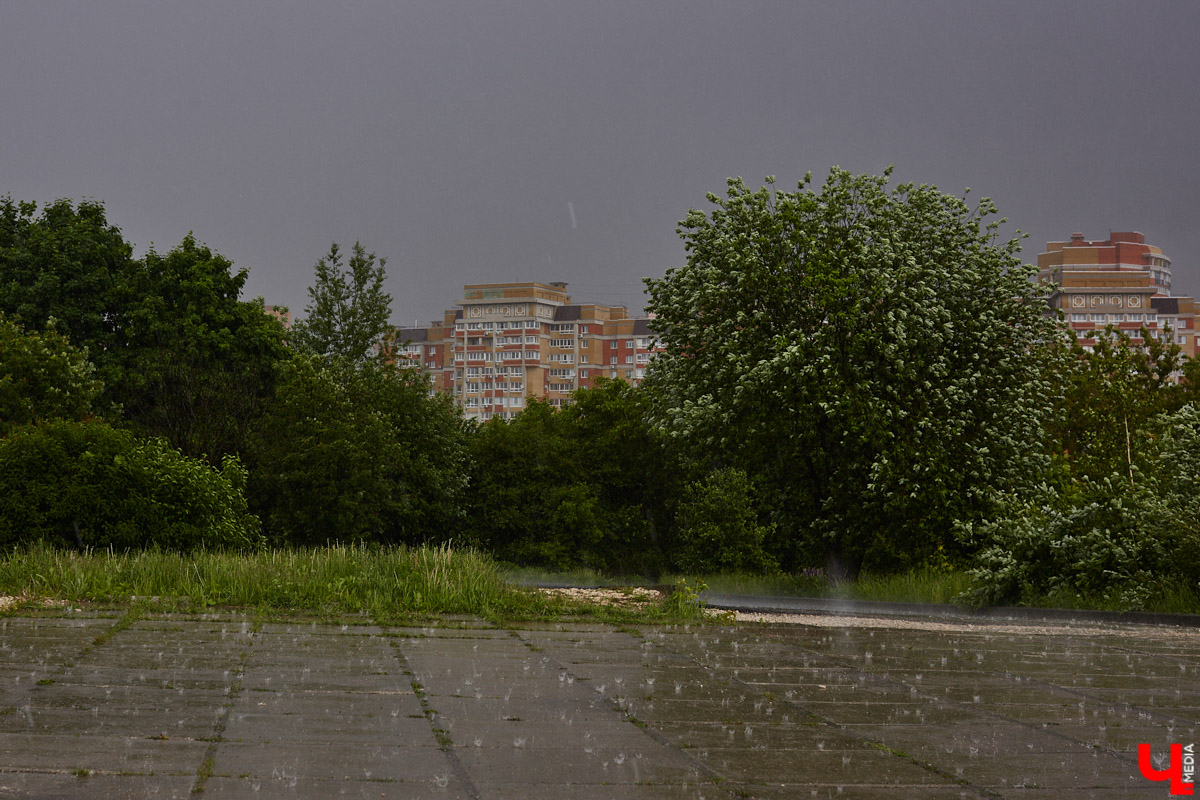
[1120, 281]
[509, 341]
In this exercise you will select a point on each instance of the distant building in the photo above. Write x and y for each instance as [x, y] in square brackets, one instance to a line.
[506, 342]
[1120, 281]
[280, 313]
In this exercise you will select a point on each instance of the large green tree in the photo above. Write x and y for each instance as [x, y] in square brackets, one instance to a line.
[196, 363]
[348, 310]
[868, 356]
[66, 263]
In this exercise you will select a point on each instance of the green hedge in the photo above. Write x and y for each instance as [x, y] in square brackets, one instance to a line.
[91, 485]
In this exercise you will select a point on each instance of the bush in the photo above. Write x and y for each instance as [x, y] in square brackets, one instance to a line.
[90, 485]
[1121, 541]
[1115, 547]
[717, 527]
[357, 452]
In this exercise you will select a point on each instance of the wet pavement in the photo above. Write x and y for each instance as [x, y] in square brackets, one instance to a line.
[98, 705]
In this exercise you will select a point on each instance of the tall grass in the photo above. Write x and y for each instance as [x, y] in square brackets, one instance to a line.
[383, 582]
[333, 579]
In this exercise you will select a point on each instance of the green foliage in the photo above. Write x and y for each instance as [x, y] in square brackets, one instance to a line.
[529, 502]
[870, 357]
[1115, 546]
[357, 452]
[585, 487]
[196, 363]
[387, 582]
[67, 264]
[90, 485]
[1121, 541]
[1110, 393]
[42, 377]
[684, 599]
[718, 529]
[347, 316]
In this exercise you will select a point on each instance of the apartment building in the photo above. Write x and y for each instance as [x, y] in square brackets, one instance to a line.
[1121, 281]
[506, 342]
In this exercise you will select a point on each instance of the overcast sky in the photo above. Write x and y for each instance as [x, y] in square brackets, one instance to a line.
[499, 141]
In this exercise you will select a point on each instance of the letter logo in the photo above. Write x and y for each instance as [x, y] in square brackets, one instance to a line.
[1173, 772]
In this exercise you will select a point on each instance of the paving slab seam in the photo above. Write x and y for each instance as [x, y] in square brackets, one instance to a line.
[445, 744]
[60, 669]
[943, 703]
[204, 771]
[951, 780]
[1074, 693]
[719, 781]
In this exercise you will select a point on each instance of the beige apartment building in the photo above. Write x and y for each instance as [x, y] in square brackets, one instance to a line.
[506, 342]
[1120, 281]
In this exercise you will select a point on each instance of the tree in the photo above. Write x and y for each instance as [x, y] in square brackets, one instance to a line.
[351, 451]
[43, 377]
[1111, 391]
[868, 358]
[530, 500]
[348, 312]
[68, 264]
[195, 363]
[587, 486]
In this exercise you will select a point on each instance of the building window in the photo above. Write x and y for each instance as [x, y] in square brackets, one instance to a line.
[612, 360]
[629, 344]
[583, 373]
[583, 359]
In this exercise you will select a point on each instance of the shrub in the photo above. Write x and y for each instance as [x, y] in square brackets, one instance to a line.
[91, 485]
[1116, 546]
[718, 529]
[357, 452]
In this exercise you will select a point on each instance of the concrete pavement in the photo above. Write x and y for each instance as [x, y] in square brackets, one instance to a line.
[224, 706]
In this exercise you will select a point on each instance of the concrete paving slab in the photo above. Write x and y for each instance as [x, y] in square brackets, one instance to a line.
[289, 788]
[96, 786]
[310, 709]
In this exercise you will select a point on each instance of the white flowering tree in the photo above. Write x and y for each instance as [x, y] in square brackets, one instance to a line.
[870, 357]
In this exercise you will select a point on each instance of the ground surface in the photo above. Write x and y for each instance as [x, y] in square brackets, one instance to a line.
[223, 706]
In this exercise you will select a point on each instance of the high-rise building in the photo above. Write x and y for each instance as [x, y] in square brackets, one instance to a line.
[1120, 281]
[506, 342]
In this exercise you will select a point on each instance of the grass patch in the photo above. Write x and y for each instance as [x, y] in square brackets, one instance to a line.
[918, 586]
[389, 583]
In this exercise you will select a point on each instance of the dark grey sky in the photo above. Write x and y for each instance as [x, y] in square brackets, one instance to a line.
[457, 139]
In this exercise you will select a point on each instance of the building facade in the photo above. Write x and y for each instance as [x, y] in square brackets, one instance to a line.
[506, 342]
[1121, 281]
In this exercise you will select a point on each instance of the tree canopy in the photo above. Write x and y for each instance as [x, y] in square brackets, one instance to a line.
[196, 363]
[869, 354]
[348, 310]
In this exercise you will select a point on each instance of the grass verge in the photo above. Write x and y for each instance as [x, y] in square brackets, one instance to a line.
[387, 582]
[934, 586]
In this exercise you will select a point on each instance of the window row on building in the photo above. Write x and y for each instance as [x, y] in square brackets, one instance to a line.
[530, 338]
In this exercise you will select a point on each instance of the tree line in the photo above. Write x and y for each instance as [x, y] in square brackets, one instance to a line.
[856, 377]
